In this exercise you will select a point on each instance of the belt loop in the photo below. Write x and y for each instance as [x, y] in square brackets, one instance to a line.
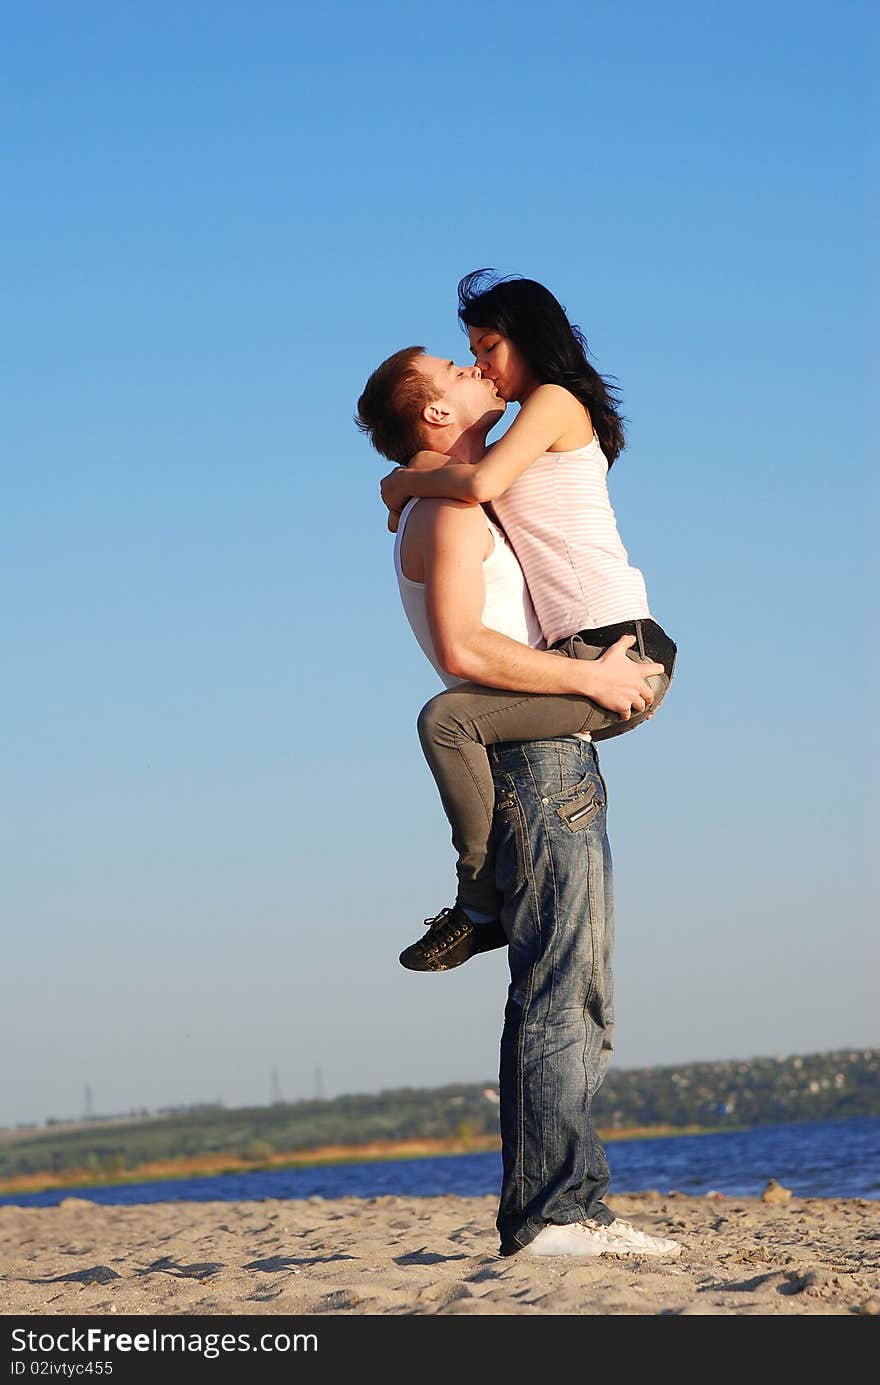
[640, 639]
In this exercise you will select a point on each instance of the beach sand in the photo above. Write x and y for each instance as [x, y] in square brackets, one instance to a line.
[410, 1256]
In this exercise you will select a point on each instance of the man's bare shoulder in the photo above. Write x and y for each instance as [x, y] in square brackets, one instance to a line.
[435, 522]
[428, 513]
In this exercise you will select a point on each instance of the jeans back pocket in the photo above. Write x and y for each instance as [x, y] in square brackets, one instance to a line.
[580, 811]
[508, 831]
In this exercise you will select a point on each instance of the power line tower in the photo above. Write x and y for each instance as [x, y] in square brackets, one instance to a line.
[276, 1089]
[319, 1085]
[89, 1111]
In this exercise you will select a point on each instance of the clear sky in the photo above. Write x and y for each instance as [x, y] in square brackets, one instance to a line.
[218, 831]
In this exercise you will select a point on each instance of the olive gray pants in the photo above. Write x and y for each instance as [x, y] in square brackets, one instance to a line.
[456, 727]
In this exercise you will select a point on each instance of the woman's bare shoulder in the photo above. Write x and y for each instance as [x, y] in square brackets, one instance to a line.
[572, 419]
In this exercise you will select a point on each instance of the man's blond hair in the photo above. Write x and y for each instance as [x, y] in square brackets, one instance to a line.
[389, 411]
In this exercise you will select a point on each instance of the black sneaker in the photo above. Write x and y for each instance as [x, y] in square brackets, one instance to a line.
[450, 940]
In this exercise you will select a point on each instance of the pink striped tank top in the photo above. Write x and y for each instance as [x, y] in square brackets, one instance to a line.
[559, 520]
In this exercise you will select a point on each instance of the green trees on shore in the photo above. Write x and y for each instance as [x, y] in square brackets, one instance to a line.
[824, 1086]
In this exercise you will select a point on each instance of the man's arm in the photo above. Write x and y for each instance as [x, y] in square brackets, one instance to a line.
[453, 543]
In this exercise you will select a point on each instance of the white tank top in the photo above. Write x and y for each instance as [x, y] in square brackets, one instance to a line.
[508, 607]
[558, 517]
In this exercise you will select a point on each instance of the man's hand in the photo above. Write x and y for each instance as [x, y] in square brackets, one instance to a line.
[618, 682]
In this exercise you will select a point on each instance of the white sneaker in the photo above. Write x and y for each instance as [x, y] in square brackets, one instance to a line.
[592, 1238]
[640, 1241]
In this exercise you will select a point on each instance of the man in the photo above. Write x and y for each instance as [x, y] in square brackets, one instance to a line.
[464, 592]
[551, 858]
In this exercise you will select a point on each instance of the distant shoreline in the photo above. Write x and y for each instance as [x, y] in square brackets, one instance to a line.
[215, 1165]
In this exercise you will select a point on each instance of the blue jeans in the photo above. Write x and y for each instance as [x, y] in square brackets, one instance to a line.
[553, 871]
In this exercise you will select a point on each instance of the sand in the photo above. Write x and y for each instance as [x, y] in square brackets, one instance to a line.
[433, 1256]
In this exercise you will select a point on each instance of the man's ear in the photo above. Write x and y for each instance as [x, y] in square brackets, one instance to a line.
[436, 414]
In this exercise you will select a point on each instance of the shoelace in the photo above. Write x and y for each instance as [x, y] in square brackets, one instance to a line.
[622, 1231]
[442, 928]
[594, 1229]
[627, 1229]
[632, 1233]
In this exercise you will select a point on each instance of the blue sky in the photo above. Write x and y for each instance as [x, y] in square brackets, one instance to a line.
[218, 830]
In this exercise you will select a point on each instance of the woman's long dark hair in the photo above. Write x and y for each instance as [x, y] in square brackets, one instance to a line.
[554, 349]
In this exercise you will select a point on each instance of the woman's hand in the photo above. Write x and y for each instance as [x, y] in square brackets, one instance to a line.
[618, 682]
[395, 494]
